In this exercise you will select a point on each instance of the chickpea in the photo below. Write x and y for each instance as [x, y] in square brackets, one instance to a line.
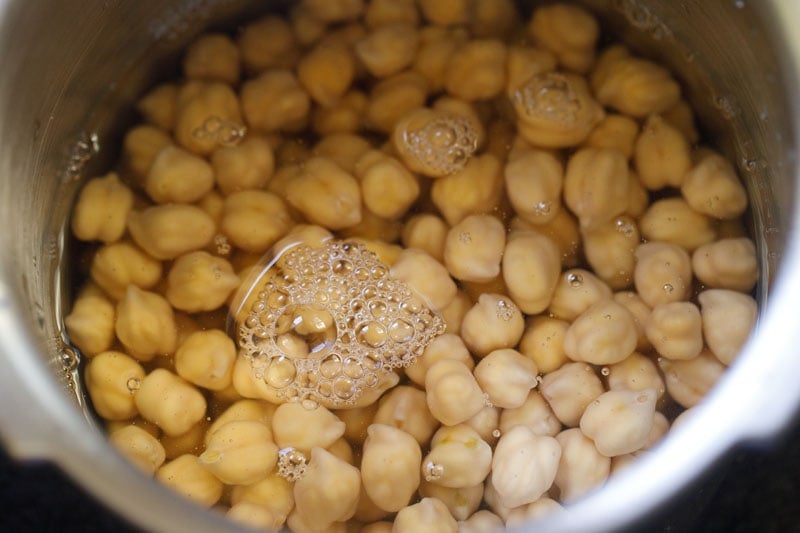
[727, 264]
[206, 359]
[728, 319]
[321, 501]
[425, 276]
[458, 458]
[406, 409]
[569, 390]
[543, 342]
[596, 185]
[429, 515]
[603, 334]
[474, 247]
[393, 98]
[454, 313]
[673, 220]
[382, 12]
[199, 281]
[326, 194]
[187, 477]
[532, 511]
[638, 197]
[90, 323]
[534, 180]
[117, 265]
[635, 373]
[427, 232]
[295, 426]
[390, 466]
[610, 249]
[569, 32]
[274, 493]
[170, 402]
[190, 442]
[473, 190]
[530, 266]
[307, 28]
[493, 18]
[388, 254]
[524, 466]
[388, 49]
[387, 187]
[446, 346]
[436, 47]
[494, 322]
[255, 220]
[258, 411]
[485, 423]
[452, 394]
[169, 231]
[576, 291]
[581, 467]
[634, 86]
[620, 421]
[615, 131]
[376, 229]
[248, 165]
[326, 72]
[275, 101]
[377, 527]
[477, 70]
[563, 230]
[139, 447]
[507, 377]
[158, 105]
[346, 115]
[345, 149]
[461, 502]
[662, 155]
[240, 452]
[712, 188]
[335, 10]
[267, 42]
[252, 515]
[482, 520]
[200, 104]
[681, 117]
[663, 273]
[212, 57]
[102, 209]
[689, 381]
[525, 62]
[112, 379]
[466, 110]
[675, 330]
[445, 13]
[534, 413]
[145, 324]
[139, 148]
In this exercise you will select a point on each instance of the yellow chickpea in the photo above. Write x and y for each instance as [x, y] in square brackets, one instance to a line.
[524, 466]
[254, 220]
[525, 62]
[169, 231]
[382, 12]
[90, 322]
[117, 265]
[661, 155]
[727, 264]
[189, 442]
[393, 98]
[675, 330]
[248, 165]
[507, 377]
[582, 467]
[145, 324]
[635, 373]
[112, 380]
[604, 334]
[405, 408]
[445, 346]
[596, 185]
[158, 105]
[102, 209]
[345, 116]
[631, 301]
[452, 394]
[253, 516]
[494, 322]
[436, 46]
[426, 276]
[711, 187]
[681, 116]
[474, 247]
[212, 57]
[427, 232]
[274, 493]
[477, 70]
[206, 359]
[458, 458]
[390, 466]
[615, 131]
[610, 249]
[454, 313]
[275, 101]
[139, 447]
[474, 190]
[534, 179]
[728, 318]
[445, 13]
[139, 148]
[534, 413]
[531, 265]
[347, 150]
[267, 42]
[326, 194]
[240, 452]
[569, 390]
[620, 421]
[187, 477]
[200, 106]
[673, 220]
[326, 72]
[388, 188]
[319, 502]
[543, 342]
[569, 32]
[689, 381]
[169, 402]
[663, 273]
[388, 49]
[177, 175]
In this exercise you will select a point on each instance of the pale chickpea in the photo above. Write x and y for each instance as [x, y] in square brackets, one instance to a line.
[326, 72]
[254, 220]
[273, 493]
[461, 502]
[275, 101]
[240, 452]
[474, 247]
[531, 265]
[200, 106]
[615, 131]
[247, 385]
[295, 426]
[344, 149]
[388, 254]
[382, 12]
[256, 410]
[689, 381]
[477, 70]
[427, 232]
[376, 527]
[206, 359]
[393, 98]
[541, 508]
[659, 430]
[388, 49]
[452, 394]
[569, 32]
[318, 500]
[663, 273]
[534, 180]
[387, 186]
[169, 402]
[252, 515]
[326, 194]
[569, 390]
[90, 322]
[145, 324]
[267, 42]
[101, 210]
[675, 330]
[485, 423]
[596, 185]
[534, 413]
[357, 421]
[169, 231]
[186, 476]
[525, 62]
[620, 421]
[429, 515]
[481, 521]
[575, 292]
[454, 313]
[406, 408]
[711, 187]
[426, 276]
[563, 230]
[604, 334]
[158, 105]
[681, 116]
[199, 281]
[344, 116]
[436, 46]
[673, 220]
[139, 447]
[728, 318]
[445, 12]
[248, 165]
[543, 342]
[610, 248]
[634, 86]
[445, 346]
[662, 155]
[212, 57]
[493, 500]
[117, 265]
[458, 458]
[582, 467]
[494, 322]
[507, 377]
[368, 511]
[524, 466]
[635, 373]
[112, 380]
[390, 466]
[139, 148]
[727, 264]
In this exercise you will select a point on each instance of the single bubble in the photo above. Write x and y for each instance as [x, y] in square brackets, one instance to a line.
[343, 388]
[574, 280]
[280, 373]
[486, 400]
[69, 359]
[133, 384]
[433, 471]
[372, 334]
[401, 331]
[331, 366]
[605, 371]
[353, 368]
[325, 389]
[668, 288]
[496, 433]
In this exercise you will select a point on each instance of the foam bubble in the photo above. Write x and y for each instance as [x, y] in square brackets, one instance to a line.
[548, 96]
[444, 144]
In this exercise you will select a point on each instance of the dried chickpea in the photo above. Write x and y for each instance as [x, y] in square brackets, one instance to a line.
[206, 359]
[186, 476]
[275, 101]
[326, 72]
[427, 232]
[320, 501]
[387, 186]
[689, 381]
[525, 62]
[477, 70]
[661, 155]
[198, 104]
[248, 165]
[458, 458]
[663, 273]
[326, 194]
[681, 116]
[140, 146]
[543, 342]
[273, 493]
[569, 390]
[240, 452]
[390, 466]
[615, 131]
[112, 379]
[727, 264]
[295, 426]
[170, 402]
[388, 49]
[728, 319]
[90, 323]
[474, 247]
[675, 330]
[620, 421]
[429, 515]
[101, 210]
[139, 447]
[530, 266]
[542, 507]
[198, 281]
[426, 276]
[596, 185]
[306, 27]
[610, 248]
[524, 466]
[145, 324]
[436, 46]
[252, 515]
[406, 408]
[247, 385]
[635, 373]
[575, 292]
[604, 334]
[569, 32]
[158, 105]
[534, 413]
[507, 377]
[212, 57]
[581, 467]
[673, 220]
[493, 18]
[357, 421]
[494, 322]
[711, 187]
[169, 231]
[452, 394]
[534, 180]
[393, 98]
[117, 265]
[563, 230]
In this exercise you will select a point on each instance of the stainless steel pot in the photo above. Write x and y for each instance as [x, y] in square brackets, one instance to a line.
[70, 73]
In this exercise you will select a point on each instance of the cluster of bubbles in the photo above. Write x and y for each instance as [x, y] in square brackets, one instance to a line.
[327, 322]
[223, 132]
[548, 96]
[444, 144]
[292, 464]
[505, 310]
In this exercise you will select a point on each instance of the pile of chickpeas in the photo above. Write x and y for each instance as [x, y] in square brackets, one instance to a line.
[550, 202]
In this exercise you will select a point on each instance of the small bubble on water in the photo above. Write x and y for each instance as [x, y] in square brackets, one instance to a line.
[496, 433]
[69, 359]
[464, 237]
[574, 280]
[486, 400]
[542, 208]
[433, 471]
[222, 244]
[505, 310]
[133, 384]
[668, 288]
[605, 371]
[292, 464]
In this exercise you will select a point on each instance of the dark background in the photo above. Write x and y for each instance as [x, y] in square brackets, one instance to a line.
[754, 490]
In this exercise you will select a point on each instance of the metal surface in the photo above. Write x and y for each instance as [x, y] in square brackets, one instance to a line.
[71, 71]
